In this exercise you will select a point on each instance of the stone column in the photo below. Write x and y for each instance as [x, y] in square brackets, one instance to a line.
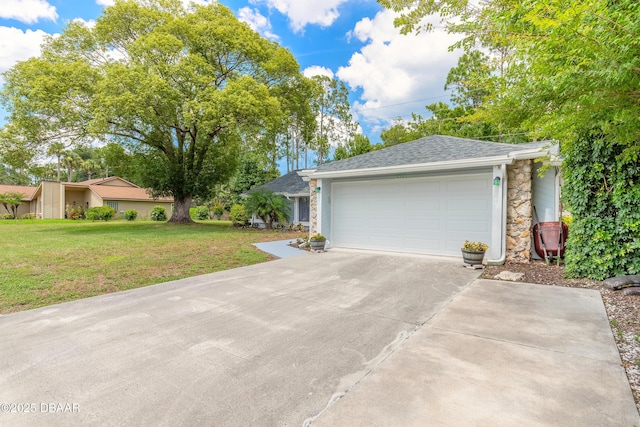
[519, 211]
[313, 207]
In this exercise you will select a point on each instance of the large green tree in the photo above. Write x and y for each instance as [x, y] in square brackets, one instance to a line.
[446, 120]
[183, 89]
[570, 70]
[359, 144]
[295, 133]
[335, 125]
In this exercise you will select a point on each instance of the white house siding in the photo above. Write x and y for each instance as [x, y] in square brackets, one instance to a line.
[545, 193]
[546, 196]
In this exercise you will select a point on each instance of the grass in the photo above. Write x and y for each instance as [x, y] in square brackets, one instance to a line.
[44, 262]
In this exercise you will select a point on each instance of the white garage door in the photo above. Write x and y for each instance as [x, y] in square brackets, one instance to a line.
[421, 215]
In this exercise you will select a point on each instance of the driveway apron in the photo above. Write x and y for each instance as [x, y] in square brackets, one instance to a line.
[267, 345]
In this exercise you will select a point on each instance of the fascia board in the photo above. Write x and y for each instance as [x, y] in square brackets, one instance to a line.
[304, 174]
[422, 167]
[529, 154]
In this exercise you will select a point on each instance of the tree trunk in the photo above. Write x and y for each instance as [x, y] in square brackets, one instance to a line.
[180, 213]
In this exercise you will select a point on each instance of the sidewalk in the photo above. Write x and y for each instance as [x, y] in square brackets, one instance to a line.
[500, 354]
[280, 248]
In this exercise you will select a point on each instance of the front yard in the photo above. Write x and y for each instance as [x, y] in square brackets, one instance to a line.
[44, 262]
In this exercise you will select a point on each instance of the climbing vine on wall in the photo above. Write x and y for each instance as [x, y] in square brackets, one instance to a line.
[602, 190]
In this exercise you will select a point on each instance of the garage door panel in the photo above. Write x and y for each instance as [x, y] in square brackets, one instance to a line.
[463, 205]
[424, 215]
[415, 206]
[467, 227]
[424, 187]
[466, 186]
[423, 226]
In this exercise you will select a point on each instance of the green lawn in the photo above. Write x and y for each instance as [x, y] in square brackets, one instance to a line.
[44, 262]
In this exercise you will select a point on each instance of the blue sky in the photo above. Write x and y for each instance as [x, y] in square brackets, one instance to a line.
[389, 75]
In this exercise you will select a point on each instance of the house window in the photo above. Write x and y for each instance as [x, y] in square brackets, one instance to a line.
[113, 204]
[303, 209]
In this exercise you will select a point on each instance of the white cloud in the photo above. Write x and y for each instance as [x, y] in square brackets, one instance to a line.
[89, 24]
[186, 3]
[304, 12]
[392, 69]
[316, 70]
[27, 11]
[257, 22]
[17, 45]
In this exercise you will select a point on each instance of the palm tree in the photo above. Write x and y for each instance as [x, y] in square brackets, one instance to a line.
[71, 161]
[11, 201]
[57, 149]
[90, 167]
[269, 207]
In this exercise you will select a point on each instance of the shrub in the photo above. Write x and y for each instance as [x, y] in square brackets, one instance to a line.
[602, 192]
[6, 216]
[317, 238]
[74, 215]
[158, 213]
[104, 213]
[131, 214]
[238, 215]
[269, 207]
[75, 212]
[218, 210]
[202, 212]
[28, 216]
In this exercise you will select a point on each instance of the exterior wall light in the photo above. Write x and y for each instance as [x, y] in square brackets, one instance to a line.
[496, 180]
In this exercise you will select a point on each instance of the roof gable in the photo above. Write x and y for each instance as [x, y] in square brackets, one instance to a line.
[111, 181]
[27, 191]
[431, 149]
[290, 184]
[433, 153]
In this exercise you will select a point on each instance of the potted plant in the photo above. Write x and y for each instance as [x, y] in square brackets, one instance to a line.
[317, 242]
[473, 252]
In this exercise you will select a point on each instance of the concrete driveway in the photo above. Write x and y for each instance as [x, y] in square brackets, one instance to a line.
[267, 345]
[332, 339]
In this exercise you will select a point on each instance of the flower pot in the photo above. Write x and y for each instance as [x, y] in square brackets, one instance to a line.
[317, 245]
[472, 257]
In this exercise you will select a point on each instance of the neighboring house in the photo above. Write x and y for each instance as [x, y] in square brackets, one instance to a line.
[430, 195]
[296, 190]
[27, 192]
[51, 199]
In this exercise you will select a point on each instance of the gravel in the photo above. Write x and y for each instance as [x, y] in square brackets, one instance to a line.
[623, 310]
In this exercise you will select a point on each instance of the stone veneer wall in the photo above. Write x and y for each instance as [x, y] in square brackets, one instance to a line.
[519, 211]
[313, 207]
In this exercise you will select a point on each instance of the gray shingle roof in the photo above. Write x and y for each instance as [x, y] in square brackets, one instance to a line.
[290, 183]
[431, 149]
